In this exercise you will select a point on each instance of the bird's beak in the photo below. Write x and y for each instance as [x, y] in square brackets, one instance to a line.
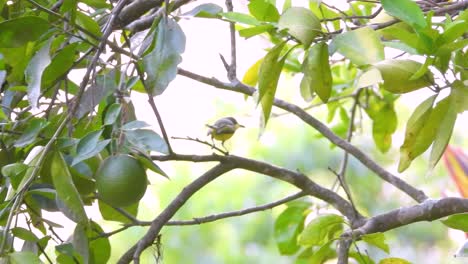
[239, 125]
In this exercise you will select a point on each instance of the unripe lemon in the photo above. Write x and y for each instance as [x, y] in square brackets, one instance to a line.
[121, 180]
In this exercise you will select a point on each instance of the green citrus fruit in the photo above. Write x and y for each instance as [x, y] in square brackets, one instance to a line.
[121, 180]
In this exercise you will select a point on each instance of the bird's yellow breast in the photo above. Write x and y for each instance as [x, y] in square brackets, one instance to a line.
[221, 136]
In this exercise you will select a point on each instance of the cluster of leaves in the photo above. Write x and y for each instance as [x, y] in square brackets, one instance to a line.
[312, 240]
[55, 132]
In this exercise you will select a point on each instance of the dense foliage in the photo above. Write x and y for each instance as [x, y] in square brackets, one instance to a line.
[357, 58]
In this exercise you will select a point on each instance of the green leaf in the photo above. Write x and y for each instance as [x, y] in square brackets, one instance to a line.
[136, 124]
[361, 257]
[150, 164]
[112, 114]
[384, 122]
[104, 86]
[301, 23]
[263, 10]
[23, 257]
[241, 18]
[208, 10]
[256, 30]
[24, 234]
[405, 10]
[161, 63]
[67, 254]
[60, 64]
[459, 94]
[33, 73]
[443, 134]
[361, 46]
[97, 4]
[321, 230]
[426, 131]
[394, 261]
[269, 74]
[453, 31]
[413, 128]
[369, 78]
[288, 226]
[397, 75]
[457, 221]
[17, 32]
[452, 46]
[423, 69]
[35, 126]
[146, 140]
[66, 191]
[89, 24]
[89, 146]
[110, 214]
[324, 253]
[378, 240]
[316, 68]
[15, 172]
[80, 241]
[251, 76]
[99, 249]
[442, 62]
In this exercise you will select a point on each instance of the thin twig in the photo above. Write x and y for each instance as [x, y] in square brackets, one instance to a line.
[203, 142]
[141, 74]
[232, 71]
[341, 175]
[215, 217]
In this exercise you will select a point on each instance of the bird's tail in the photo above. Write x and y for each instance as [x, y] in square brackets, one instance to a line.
[210, 130]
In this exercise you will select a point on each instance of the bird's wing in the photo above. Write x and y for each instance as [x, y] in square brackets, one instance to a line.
[225, 130]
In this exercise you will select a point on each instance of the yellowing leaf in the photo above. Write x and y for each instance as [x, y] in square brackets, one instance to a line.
[270, 70]
[394, 261]
[361, 46]
[321, 229]
[251, 76]
[424, 131]
[397, 76]
[378, 240]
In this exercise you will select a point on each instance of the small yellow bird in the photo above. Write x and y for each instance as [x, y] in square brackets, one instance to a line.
[223, 129]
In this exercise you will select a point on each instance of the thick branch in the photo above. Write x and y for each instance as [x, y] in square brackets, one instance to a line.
[414, 193]
[146, 21]
[135, 10]
[428, 210]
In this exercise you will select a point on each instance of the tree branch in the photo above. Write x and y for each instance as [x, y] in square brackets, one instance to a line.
[146, 21]
[135, 10]
[428, 210]
[414, 193]
[343, 250]
[215, 217]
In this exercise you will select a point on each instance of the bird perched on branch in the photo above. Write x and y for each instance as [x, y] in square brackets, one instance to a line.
[223, 129]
